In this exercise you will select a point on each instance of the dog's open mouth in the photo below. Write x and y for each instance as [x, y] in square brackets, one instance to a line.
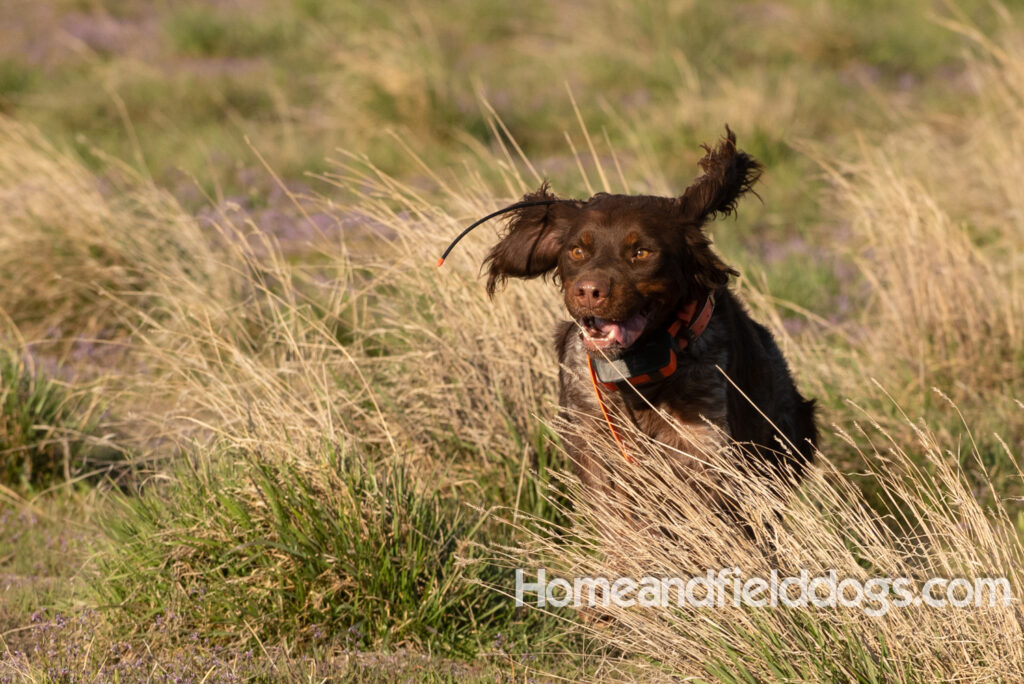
[602, 334]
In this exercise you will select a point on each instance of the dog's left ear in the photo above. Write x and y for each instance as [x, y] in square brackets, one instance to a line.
[728, 174]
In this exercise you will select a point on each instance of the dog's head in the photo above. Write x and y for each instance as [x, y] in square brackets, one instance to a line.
[626, 263]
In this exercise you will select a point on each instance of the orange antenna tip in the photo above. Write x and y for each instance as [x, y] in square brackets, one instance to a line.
[440, 262]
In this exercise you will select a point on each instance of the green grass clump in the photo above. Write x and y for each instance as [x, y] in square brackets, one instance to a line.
[201, 30]
[337, 550]
[16, 78]
[43, 425]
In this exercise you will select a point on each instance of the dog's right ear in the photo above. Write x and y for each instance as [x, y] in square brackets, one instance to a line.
[533, 240]
[728, 174]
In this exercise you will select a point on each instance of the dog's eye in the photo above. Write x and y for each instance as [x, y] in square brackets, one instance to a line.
[642, 253]
[576, 253]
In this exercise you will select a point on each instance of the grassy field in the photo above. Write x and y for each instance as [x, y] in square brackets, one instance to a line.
[248, 431]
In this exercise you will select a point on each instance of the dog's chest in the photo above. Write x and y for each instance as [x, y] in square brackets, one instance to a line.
[686, 411]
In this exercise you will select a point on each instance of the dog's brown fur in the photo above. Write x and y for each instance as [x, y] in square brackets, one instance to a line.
[622, 256]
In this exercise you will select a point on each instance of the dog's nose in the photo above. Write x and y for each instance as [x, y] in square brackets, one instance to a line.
[591, 292]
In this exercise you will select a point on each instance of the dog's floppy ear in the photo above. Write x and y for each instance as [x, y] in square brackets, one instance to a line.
[728, 173]
[533, 240]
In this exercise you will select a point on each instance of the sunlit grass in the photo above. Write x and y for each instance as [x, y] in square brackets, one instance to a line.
[331, 441]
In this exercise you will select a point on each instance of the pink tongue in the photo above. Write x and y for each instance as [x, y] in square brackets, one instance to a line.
[624, 333]
[612, 332]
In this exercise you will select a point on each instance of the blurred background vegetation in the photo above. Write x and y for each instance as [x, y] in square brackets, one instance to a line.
[176, 89]
[229, 370]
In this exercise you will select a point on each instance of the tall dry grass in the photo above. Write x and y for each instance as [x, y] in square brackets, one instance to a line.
[930, 220]
[930, 525]
[78, 253]
[272, 374]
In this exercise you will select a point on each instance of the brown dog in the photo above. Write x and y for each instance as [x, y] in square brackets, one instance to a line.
[654, 321]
